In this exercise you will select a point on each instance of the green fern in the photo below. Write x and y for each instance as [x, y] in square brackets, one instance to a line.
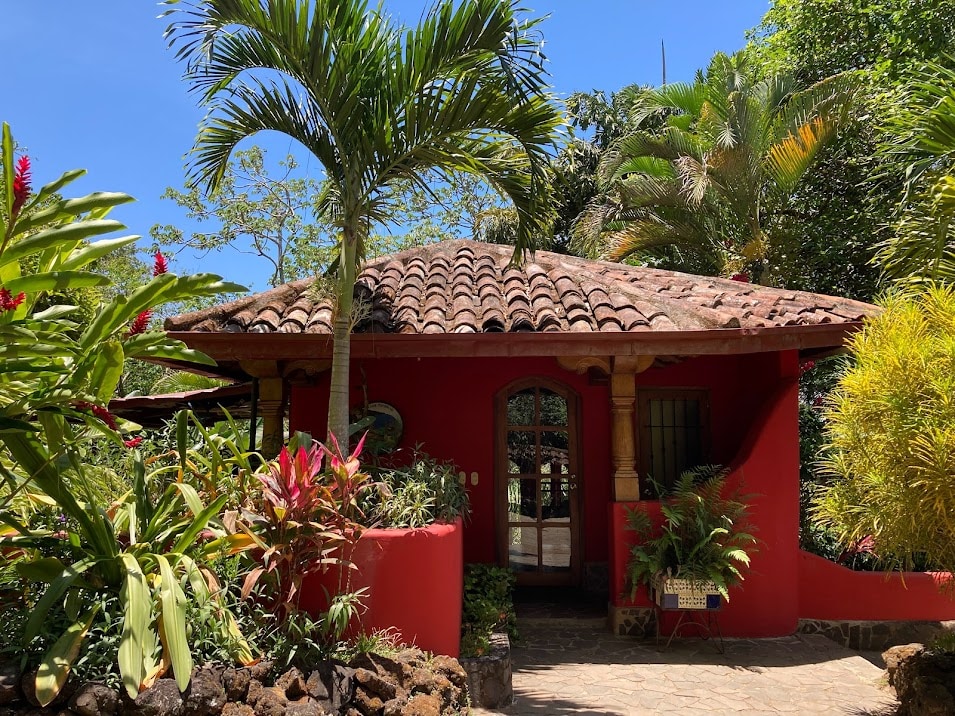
[704, 535]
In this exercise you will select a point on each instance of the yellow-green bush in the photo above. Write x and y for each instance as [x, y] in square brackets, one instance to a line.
[891, 433]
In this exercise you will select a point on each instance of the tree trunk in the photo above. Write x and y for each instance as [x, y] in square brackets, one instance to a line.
[338, 396]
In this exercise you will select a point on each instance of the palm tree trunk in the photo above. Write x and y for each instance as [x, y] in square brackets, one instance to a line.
[338, 395]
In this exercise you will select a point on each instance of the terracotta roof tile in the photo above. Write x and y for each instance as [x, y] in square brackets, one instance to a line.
[469, 287]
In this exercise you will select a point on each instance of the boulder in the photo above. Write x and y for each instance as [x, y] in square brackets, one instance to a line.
[924, 680]
[93, 699]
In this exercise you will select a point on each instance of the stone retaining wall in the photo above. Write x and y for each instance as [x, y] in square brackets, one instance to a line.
[875, 635]
[489, 676]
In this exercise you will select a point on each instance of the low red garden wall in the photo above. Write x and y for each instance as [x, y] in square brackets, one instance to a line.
[415, 582]
[832, 592]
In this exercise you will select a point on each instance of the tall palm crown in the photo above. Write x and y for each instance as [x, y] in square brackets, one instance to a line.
[711, 182]
[375, 103]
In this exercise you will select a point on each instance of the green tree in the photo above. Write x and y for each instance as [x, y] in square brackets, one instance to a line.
[922, 131]
[271, 217]
[848, 202]
[376, 104]
[715, 181]
[891, 433]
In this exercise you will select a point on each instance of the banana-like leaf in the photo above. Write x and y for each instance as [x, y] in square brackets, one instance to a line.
[91, 252]
[54, 312]
[57, 662]
[66, 236]
[107, 370]
[52, 595]
[44, 569]
[172, 602]
[56, 281]
[73, 207]
[199, 523]
[174, 351]
[6, 147]
[51, 188]
[12, 425]
[138, 644]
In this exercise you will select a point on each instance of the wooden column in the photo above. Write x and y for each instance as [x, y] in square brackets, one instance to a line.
[271, 404]
[623, 399]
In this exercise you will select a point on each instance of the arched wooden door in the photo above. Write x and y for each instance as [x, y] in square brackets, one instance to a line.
[537, 482]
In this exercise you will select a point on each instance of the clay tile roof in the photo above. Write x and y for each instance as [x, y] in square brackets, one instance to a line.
[464, 286]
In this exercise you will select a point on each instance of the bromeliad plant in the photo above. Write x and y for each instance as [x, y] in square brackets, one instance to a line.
[55, 376]
[308, 517]
[704, 536]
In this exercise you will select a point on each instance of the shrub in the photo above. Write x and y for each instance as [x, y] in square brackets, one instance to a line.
[424, 492]
[488, 607]
[891, 433]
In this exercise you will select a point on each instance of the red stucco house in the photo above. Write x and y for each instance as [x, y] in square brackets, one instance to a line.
[557, 388]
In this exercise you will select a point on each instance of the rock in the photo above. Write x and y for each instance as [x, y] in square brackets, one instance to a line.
[450, 668]
[898, 654]
[205, 695]
[9, 678]
[94, 699]
[306, 706]
[270, 701]
[236, 683]
[925, 683]
[292, 682]
[254, 691]
[161, 699]
[393, 670]
[261, 670]
[232, 709]
[423, 705]
[373, 683]
[332, 685]
[368, 703]
[28, 689]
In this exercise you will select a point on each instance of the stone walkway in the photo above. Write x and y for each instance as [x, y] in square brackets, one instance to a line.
[563, 667]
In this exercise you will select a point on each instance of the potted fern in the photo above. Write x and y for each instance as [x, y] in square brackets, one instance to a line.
[700, 550]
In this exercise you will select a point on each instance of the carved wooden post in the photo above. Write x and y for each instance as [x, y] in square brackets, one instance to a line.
[623, 399]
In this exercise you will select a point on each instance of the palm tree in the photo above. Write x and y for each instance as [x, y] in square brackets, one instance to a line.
[712, 182]
[922, 136]
[376, 104]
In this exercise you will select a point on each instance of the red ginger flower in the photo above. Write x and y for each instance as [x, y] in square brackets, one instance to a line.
[742, 277]
[134, 443]
[21, 183]
[160, 266]
[140, 323]
[99, 411]
[9, 302]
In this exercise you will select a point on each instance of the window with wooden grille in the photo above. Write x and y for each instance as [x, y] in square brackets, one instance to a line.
[673, 433]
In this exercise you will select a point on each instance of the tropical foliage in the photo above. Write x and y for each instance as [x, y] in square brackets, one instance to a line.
[704, 535]
[891, 433]
[416, 495]
[714, 181]
[922, 135]
[56, 375]
[462, 91]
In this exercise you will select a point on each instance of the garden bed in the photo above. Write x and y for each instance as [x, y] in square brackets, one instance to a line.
[409, 682]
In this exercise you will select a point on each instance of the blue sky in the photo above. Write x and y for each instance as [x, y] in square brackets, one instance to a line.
[92, 85]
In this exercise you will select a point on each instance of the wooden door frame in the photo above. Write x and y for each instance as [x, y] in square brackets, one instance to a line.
[501, 475]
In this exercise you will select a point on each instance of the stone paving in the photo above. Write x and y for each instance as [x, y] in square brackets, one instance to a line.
[567, 667]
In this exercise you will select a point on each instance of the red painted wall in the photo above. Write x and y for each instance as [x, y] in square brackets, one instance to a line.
[830, 591]
[447, 405]
[754, 406]
[405, 573]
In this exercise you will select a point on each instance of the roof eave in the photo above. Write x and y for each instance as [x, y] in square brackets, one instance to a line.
[723, 341]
